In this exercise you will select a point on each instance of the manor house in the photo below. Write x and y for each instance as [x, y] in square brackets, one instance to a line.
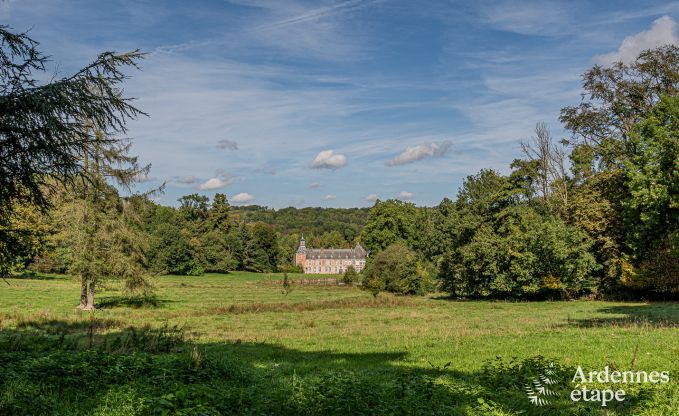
[329, 260]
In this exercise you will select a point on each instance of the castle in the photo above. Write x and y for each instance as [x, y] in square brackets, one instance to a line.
[330, 260]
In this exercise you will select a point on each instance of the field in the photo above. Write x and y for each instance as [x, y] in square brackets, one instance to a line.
[238, 344]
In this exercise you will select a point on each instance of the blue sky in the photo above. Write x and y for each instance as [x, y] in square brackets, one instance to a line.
[334, 103]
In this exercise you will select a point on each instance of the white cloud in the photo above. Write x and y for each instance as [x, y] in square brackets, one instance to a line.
[323, 12]
[421, 151]
[242, 198]
[371, 197]
[220, 180]
[314, 185]
[529, 18]
[214, 183]
[330, 197]
[405, 196]
[307, 31]
[227, 144]
[662, 32]
[328, 159]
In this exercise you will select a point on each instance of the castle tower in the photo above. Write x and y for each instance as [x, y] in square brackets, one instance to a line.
[300, 255]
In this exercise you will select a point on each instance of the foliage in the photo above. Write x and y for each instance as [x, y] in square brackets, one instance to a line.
[618, 97]
[596, 209]
[506, 248]
[350, 276]
[313, 222]
[46, 128]
[262, 250]
[395, 269]
[617, 136]
[390, 221]
[20, 248]
[651, 209]
[171, 253]
[287, 285]
[102, 228]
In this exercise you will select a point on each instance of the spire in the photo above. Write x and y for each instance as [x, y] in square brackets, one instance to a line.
[302, 246]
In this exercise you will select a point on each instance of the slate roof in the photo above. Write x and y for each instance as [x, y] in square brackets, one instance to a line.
[357, 252]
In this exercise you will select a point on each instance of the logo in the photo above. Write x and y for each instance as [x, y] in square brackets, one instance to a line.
[614, 378]
[600, 387]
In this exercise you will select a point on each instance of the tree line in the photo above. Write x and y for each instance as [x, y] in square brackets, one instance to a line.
[595, 214]
[198, 236]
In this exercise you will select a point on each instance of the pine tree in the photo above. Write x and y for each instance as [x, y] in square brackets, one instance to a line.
[45, 127]
[106, 241]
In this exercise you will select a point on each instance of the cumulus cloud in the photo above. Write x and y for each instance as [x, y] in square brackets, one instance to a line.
[328, 159]
[186, 180]
[314, 185]
[212, 183]
[241, 198]
[421, 151]
[405, 196]
[662, 32]
[220, 180]
[227, 144]
[330, 197]
[371, 197]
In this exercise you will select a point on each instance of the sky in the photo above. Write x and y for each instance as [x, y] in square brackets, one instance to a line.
[337, 103]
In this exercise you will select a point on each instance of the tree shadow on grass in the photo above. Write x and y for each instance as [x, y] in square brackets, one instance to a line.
[653, 315]
[31, 275]
[143, 370]
[59, 326]
[136, 302]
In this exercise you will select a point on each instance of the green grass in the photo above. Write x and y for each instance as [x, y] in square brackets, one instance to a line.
[319, 336]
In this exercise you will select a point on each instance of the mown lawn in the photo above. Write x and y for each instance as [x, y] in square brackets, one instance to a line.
[316, 350]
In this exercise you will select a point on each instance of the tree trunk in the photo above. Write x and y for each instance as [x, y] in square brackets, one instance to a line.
[90, 296]
[83, 293]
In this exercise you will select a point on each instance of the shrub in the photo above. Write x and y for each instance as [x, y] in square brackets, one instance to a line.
[395, 270]
[350, 276]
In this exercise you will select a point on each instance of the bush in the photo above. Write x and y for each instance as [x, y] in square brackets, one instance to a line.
[289, 268]
[350, 276]
[395, 270]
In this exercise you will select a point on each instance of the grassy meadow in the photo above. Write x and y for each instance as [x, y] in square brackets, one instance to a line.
[238, 344]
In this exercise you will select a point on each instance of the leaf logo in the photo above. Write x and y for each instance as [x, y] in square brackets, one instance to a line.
[539, 392]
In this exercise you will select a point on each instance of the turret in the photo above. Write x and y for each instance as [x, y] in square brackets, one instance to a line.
[302, 246]
[300, 255]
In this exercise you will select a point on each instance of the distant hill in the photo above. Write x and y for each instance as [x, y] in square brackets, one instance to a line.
[348, 221]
